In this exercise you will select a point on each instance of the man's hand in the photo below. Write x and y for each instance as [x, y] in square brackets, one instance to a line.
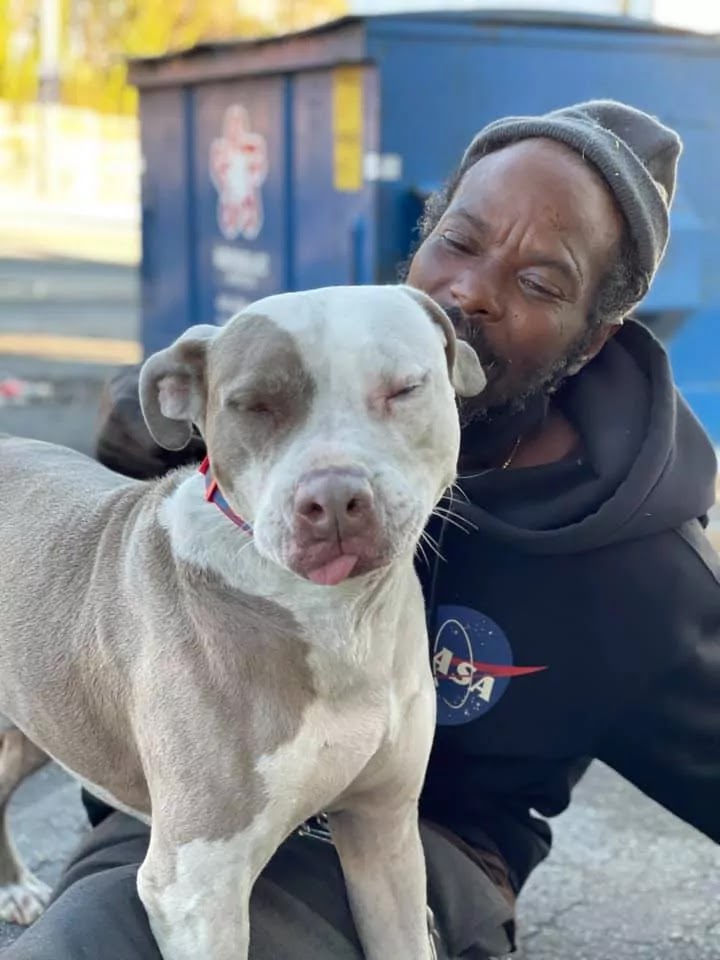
[123, 441]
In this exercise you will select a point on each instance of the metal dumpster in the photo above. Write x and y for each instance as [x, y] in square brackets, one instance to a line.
[303, 160]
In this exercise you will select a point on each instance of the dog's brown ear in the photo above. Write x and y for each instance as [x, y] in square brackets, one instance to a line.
[173, 387]
[466, 373]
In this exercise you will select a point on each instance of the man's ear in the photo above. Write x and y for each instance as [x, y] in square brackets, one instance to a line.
[466, 373]
[173, 387]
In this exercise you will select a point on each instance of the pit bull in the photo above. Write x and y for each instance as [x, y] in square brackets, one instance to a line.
[225, 653]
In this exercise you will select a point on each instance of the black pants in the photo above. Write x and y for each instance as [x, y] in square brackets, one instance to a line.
[298, 909]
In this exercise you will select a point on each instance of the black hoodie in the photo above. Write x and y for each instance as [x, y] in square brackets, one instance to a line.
[580, 617]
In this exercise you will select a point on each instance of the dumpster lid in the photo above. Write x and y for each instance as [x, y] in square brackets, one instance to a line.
[482, 17]
[342, 40]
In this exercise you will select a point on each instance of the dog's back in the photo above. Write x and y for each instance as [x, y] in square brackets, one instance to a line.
[62, 519]
[56, 508]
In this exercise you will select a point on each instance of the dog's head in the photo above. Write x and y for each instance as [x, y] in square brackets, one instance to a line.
[329, 417]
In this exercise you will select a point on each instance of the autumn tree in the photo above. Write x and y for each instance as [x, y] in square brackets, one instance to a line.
[99, 35]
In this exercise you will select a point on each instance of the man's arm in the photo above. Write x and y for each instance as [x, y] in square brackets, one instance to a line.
[668, 744]
[123, 442]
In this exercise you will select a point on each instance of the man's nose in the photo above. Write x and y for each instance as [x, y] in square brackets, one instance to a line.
[477, 293]
[334, 503]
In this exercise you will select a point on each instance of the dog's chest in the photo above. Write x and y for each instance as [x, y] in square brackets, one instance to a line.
[313, 692]
[335, 744]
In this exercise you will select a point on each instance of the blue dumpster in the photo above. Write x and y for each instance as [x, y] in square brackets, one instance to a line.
[303, 160]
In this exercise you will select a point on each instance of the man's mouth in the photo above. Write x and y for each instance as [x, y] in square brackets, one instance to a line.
[457, 318]
[495, 367]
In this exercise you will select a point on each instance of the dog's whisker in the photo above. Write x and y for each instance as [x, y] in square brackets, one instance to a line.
[470, 528]
[452, 490]
[421, 550]
[450, 497]
[459, 526]
[473, 476]
[433, 544]
[450, 506]
[451, 511]
[448, 514]
[429, 538]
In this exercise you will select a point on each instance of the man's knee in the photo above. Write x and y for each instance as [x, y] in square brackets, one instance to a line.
[97, 916]
[119, 841]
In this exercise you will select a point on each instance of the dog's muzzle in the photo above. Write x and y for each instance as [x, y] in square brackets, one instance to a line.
[336, 531]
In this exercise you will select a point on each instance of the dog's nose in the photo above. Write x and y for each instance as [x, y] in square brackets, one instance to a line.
[334, 503]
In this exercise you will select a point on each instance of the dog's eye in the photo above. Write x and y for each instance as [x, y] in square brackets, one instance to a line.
[259, 407]
[402, 391]
[405, 391]
[243, 404]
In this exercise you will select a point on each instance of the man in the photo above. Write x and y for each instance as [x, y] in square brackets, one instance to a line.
[578, 612]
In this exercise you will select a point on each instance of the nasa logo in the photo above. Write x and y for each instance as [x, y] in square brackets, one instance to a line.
[472, 665]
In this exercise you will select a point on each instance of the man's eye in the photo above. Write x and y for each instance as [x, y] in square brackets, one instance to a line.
[455, 242]
[540, 289]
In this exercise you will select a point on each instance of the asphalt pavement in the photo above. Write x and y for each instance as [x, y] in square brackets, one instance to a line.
[65, 326]
[626, 881]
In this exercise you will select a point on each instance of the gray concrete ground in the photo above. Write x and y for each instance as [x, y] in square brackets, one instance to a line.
[627, 881]
[41, 300]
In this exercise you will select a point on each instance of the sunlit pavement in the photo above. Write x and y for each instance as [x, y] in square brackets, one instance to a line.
[34, 227]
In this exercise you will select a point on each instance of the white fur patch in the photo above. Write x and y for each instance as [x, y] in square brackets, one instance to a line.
[204, 911]
[333, 746]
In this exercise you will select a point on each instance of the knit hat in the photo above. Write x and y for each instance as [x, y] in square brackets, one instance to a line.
[634, 153]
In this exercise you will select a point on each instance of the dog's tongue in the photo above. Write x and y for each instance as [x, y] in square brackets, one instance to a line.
[334, 572]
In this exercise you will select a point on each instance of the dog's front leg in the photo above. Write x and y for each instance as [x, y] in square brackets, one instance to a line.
[197, 893]
[384, 868]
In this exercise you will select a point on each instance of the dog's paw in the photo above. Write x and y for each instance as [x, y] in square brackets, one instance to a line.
[23, 902]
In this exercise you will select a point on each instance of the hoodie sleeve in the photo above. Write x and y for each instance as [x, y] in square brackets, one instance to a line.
[668, 743]
[123, 442]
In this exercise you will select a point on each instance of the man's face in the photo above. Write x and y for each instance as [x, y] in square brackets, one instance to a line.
[516, 259]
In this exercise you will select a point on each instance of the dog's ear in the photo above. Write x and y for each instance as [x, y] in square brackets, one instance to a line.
[466, 373]
[173, 387]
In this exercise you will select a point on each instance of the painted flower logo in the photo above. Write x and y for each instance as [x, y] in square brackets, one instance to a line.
[238, 168]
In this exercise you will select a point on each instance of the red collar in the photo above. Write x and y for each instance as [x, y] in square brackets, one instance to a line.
[213, 494]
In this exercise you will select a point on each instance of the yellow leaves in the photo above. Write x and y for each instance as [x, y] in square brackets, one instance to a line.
[18, 50]
[298, 14]
[158, 26]
[99, 35]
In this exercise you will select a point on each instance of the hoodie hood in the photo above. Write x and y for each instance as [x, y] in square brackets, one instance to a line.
[645, 464]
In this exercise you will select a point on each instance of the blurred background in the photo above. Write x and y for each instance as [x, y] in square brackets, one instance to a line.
[69, 131]
[164, 162]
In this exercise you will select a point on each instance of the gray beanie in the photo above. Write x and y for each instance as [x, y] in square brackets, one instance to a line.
[634, 153]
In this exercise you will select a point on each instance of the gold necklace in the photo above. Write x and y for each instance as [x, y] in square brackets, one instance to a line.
[503, 466]
[514, 450]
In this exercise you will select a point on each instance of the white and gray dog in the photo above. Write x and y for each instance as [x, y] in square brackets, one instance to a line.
[225, 681]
